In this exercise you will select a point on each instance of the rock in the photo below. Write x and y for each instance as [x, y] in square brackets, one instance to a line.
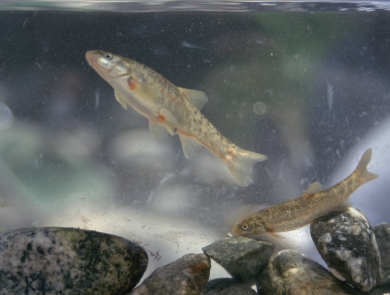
[346, 242]
[290, 272]
[227, 287]
[243, 258]
[57, 260]
[382, 235]
[185, 276]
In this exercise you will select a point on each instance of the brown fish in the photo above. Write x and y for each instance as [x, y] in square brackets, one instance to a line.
[171, 110]
[314, 203]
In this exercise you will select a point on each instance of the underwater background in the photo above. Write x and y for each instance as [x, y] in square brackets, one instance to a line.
[307, 84]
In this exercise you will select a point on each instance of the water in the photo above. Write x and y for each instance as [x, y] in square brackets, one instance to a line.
[306, 84]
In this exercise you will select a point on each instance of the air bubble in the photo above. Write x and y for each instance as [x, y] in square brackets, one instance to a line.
[260, 108]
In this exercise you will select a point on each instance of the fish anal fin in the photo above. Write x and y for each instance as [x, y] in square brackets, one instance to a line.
[121, 100]
[315, 187]
[197, 98]
[158, 130]
[240, 165]
[190, 146]
[343, 205]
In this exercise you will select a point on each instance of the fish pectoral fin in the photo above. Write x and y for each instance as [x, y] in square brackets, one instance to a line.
[197, 98]
[190, 146]
[121, 100]
[275, 235]
[158, 130]
[315, 187]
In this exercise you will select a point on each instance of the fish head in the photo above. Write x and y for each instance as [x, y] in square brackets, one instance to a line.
[106, 64]
[133, 82]
[249, 227]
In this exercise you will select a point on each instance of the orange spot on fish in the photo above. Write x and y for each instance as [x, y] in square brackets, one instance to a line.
[132, 83]
[161, 117]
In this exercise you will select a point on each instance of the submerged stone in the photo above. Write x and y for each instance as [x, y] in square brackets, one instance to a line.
[346, 242]
[185, 276]
[290, 272]
[382, 235]
[227, 287]
[243, 258]
[57, 260]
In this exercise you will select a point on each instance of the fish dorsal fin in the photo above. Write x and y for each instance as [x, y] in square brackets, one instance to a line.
[190, 146]
[197, 98]
[158, 130]
[121, 100]
[315, 187]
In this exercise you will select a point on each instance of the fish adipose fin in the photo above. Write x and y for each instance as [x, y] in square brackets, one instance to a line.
[240, 165]
[361, 169]
[190, 146]
[158, 130]
[121, 100]
[197, 98]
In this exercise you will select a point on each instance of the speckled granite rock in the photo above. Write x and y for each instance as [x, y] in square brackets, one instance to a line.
[382, 234]
[346, 242]
[185, 276]
[290, 272]
[243, 258]
[227, 287]
[68, 261]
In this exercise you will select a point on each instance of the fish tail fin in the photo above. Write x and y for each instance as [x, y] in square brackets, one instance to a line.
[361, 168]
[240, 165]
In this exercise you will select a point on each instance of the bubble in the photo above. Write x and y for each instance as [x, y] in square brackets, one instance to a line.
[6, 117]
[259, 108]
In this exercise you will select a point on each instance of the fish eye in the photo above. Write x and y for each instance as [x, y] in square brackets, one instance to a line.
[245, 226]
[108, 56]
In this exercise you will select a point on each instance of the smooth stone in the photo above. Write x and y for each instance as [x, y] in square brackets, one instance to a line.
[227, 287]
[56, 260]
[185, 276]
[382, 235]
[290, 272]
[346, 242]
[243, 258]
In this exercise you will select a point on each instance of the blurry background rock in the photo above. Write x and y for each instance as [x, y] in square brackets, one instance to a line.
[185, 276]
[382, 235]
[71, 156]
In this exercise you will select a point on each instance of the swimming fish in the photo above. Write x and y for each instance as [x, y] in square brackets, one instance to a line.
[171, 110]
[314, 203]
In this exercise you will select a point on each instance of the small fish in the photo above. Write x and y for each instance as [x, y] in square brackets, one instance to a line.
[314, 203]
[171, 110]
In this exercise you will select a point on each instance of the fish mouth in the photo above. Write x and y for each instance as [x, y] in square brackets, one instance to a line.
[91, 56]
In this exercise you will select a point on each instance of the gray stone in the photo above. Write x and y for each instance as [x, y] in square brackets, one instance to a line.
[227, 287]
[346, 242]
[243, 258]
[185, 276]
[68, 261]
[382, 235]
[290, 272]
